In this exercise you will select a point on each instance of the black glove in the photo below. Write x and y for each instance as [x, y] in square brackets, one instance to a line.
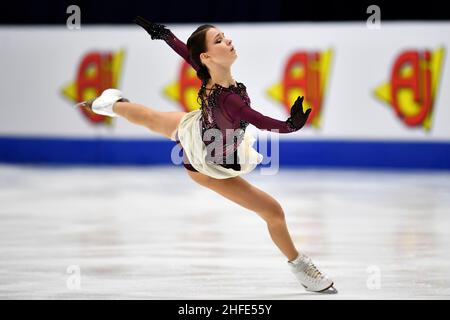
[155, 30]
[298, 118]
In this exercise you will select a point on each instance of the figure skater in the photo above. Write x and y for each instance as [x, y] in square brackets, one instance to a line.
[225, 108]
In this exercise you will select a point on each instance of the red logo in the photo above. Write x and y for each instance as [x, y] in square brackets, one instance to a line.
[96, 72]
[305, 74]
[412, 87]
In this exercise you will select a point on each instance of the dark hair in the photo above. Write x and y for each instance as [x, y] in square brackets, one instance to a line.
[196, 44]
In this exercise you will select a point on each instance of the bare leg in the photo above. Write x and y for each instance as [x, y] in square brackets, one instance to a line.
[161, 122]
[133, 112]
[235, 189]
[248, 196]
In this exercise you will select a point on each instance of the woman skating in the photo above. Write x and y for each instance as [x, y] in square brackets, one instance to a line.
[218, 163]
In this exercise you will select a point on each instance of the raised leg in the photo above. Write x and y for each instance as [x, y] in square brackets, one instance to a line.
[164, 123]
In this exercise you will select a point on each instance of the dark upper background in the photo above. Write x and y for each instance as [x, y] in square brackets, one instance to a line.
[18, 12]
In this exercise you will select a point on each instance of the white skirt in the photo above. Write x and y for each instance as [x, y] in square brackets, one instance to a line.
[190, 136]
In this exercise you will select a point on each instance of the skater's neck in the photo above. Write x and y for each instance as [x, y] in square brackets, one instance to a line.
[221, 76]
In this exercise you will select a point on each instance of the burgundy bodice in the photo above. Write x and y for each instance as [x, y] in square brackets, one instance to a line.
[226, 108]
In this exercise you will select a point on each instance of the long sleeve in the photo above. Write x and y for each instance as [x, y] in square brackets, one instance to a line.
[239, 110]
[179, 47]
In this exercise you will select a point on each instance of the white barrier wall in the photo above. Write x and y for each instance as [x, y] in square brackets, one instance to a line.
[382, 84]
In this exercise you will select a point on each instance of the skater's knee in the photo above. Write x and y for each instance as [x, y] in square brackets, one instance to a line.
[274, 214]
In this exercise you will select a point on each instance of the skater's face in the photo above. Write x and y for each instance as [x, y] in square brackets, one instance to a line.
[220, 49]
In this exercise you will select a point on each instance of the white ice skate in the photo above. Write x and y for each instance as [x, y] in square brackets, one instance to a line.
[308, 275]
[104, 103]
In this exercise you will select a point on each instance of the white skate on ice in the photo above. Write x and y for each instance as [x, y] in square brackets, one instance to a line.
[309, 276]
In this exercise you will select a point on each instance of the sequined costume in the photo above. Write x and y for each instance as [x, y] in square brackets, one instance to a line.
[223, 108]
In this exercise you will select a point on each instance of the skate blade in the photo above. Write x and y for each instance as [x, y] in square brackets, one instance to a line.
[82, 104]
[329, 290]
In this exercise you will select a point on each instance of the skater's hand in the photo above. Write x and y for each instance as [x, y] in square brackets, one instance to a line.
[155, 30]
[298, 118]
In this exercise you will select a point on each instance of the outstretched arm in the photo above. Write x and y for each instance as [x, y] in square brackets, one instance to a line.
[239, 110]
[160, 32]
